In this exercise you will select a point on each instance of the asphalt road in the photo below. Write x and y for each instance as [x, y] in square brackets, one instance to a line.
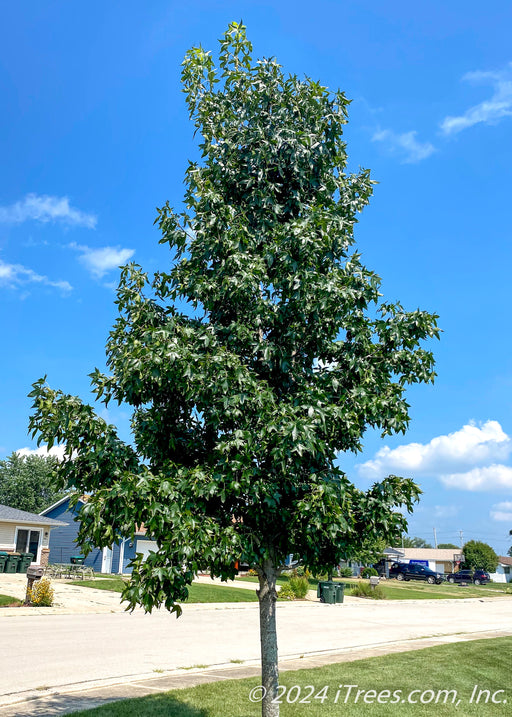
[56, 650]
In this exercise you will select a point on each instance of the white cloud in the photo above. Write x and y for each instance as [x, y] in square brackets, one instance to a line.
[15, 275]
[99, 261]
[446, 511]
[502, 512]
[457, 451]
[44, 208]
[490, 111]
[57, 451]
[406, 145]
[493, 477]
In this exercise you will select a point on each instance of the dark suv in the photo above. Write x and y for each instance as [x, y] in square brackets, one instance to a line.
[406, 571]
[478, 577]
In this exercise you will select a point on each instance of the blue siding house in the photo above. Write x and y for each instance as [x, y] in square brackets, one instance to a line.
[107, 560]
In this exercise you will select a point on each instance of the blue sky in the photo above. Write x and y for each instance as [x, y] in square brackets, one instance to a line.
[94, 135]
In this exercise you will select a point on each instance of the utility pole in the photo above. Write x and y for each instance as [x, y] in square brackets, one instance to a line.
[461, 540]
[435, 539]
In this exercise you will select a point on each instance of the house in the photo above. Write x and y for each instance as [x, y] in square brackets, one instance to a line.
[115, 559]
[440, 560]
[23, 532]
[503, 572]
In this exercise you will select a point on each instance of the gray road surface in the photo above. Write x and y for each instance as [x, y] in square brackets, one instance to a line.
[56, 650]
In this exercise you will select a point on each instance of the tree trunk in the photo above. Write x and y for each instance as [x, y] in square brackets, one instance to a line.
[267, 597]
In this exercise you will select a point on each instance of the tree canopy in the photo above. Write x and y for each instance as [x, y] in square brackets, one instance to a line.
[27, 482]
[264, 351]
[415, 542]
[447, 546]
[479, 555]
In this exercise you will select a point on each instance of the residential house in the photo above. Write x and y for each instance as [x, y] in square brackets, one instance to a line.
[115, 559]
[503, 572]
[440, 560]
[24, 532]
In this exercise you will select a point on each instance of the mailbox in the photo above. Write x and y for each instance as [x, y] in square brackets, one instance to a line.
[374, 581]
[34, 572]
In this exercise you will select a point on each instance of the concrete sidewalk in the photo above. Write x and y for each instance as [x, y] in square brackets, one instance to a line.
[72, 698]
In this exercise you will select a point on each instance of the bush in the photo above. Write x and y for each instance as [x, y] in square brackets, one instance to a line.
[368, 572]
[300, 587]
[42, 593]
[286, 593]
[365, 590]
[296, 589]
[346, 573]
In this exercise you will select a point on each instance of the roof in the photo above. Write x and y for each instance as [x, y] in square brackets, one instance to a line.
[82, 499]
[139, 529]
[13, 515]
[505, 560]
[393, 552]
[430, 553]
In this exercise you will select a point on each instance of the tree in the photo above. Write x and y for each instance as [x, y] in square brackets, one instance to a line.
[282, 357]
[27, 482]
[408, 542]
[478, 555]
[447, 546]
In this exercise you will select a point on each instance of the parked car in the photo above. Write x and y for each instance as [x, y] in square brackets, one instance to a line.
[406, 571]
[478, 577]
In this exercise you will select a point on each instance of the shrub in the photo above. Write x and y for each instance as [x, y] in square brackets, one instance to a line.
[300, 587]
[368, 572]
[42, 593]
[295, 589]
[286, 593]
[365, 590]
[346, 572]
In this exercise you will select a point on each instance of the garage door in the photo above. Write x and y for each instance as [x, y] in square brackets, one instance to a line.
[146, 546]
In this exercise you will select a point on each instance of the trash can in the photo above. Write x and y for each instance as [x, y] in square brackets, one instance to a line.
[326, 591]
[11, 566]
[3, 560]
[25, 560]
[340, 591]
[77, 559]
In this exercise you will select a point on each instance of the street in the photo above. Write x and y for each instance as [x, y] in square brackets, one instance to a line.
[55, 650]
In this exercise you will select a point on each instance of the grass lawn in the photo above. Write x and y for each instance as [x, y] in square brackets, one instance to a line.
[415, 590]
[197, 592]
[8, 600]
[459, 667]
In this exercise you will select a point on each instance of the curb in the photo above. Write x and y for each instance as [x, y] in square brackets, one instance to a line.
[66, 699]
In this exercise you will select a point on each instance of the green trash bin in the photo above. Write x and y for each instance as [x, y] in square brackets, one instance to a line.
[340, 592]
[11, 566]
[77, 559]
[25, 561]
[3, 560]
[326, 591]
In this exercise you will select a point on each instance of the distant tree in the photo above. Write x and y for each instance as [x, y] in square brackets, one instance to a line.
[478, 555]
[26, 482]
[264, 351]
[509, 552]
[371, 551]
[408, 542]
[447, 546]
